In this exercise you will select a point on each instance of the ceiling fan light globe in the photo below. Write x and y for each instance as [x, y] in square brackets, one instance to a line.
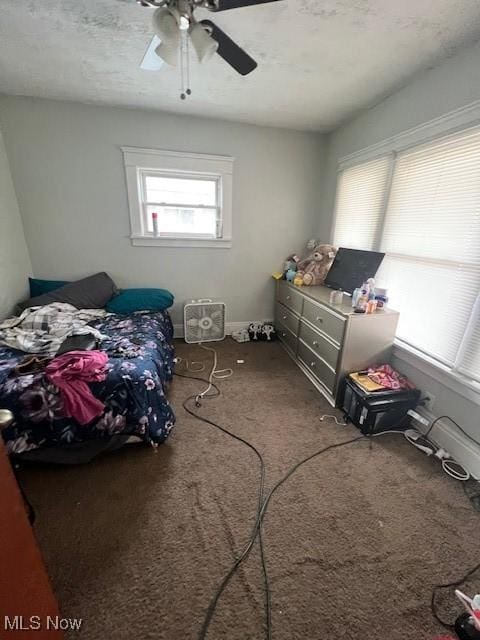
[205, 46]
[168, 52]
[165, 24]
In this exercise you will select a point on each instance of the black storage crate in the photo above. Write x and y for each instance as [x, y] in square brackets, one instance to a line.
[377, 410]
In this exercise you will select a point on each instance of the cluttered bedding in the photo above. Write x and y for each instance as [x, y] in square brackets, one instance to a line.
[118, 387]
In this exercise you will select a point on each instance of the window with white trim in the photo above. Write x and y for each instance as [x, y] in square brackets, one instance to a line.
[179, 205]
[423, 211]
[179, 199]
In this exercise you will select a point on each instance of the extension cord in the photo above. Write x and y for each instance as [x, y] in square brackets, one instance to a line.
[412, 435]
[451, 467]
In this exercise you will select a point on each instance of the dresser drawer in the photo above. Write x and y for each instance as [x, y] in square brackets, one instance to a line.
[287, 337]
[321, 318]
[290, 298]
[316, 366]
[320, 345]
[285, 317]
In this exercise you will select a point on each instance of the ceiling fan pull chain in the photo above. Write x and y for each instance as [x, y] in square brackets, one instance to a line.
[182, 79]
[184, 65]
[187, 46]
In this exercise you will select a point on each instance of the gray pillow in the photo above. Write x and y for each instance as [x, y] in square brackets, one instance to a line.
[89, 293]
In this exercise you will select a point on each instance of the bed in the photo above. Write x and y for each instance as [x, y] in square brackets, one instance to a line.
[140, 366]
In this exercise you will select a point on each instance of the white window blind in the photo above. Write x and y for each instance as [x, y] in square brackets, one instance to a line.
[430, 232]
[360, 203]
[431, 235]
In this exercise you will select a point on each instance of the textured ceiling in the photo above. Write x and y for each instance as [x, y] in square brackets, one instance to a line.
[320, 61]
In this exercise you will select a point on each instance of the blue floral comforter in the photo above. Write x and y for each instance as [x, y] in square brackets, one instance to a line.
[134, 391]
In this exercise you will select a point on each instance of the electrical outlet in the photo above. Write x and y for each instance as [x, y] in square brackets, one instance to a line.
[430, 399]
[416, 416]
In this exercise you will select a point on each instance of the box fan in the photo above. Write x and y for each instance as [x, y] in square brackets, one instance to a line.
[204, 320]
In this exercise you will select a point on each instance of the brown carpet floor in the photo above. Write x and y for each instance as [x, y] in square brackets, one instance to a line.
[137, 541]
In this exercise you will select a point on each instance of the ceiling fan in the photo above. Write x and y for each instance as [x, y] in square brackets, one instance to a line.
[175, 28]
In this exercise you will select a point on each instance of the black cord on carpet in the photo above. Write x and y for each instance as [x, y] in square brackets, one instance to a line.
[263, 507]
[261, 511]
[257, 527]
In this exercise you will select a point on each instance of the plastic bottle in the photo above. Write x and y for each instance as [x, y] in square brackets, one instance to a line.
[381, 296]
[371, 288]
[155, 224]
[362, 299]
[355, 294]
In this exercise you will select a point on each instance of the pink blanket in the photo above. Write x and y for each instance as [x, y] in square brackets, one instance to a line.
[71, 372]
[389, 378]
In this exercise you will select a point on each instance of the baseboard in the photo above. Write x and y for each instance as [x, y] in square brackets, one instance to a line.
[230, 327]
[444, 434]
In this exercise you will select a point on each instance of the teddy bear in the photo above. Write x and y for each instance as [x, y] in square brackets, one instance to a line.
[291, 263]
[314, 268]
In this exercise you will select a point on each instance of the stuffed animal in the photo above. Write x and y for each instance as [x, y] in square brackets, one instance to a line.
[268, 332]
[313, 270]
[255, 330]
[290, 266]
[290, 275]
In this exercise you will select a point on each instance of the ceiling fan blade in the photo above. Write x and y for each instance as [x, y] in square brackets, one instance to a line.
[230, 51]
[224, 5]
[151, 62]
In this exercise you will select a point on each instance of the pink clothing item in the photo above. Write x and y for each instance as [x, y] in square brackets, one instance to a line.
[389, 378]
[70, 372]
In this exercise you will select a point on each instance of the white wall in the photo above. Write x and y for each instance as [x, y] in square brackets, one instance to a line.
[68, 173]
[15, 264]
[451, 85]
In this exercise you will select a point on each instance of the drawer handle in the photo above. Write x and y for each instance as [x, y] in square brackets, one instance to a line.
[319, 319]
[284, 335]
[313, 364]
[284, 317]
[288, 297]
[315, 343]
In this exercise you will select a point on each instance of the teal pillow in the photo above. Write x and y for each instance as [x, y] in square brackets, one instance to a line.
[130, 300]
[39, 287]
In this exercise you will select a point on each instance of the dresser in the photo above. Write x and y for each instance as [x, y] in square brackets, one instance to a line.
[27, 602]
[328, 341]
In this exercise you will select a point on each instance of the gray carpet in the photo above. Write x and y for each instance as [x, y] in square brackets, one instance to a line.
[137, 541]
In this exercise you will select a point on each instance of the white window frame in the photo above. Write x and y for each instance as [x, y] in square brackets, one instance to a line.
[454, 122]
[139, 162]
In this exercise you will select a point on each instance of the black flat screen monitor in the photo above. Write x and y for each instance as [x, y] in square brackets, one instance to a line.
[352, 267]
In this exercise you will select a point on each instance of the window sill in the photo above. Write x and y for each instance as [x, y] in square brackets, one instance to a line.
[189, 243]
[452, 380]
